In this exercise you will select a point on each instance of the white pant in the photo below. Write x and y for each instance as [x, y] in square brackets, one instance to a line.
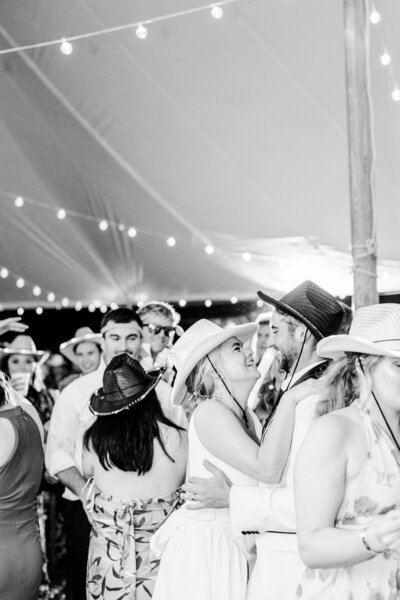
[278, 568]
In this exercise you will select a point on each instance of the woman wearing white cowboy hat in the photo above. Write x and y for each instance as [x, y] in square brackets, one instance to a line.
[200, 556]
[83, 351]
[347, 476]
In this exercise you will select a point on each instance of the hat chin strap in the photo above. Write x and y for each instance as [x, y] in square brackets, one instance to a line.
[298, 359]
[246, 422]
[380, 408]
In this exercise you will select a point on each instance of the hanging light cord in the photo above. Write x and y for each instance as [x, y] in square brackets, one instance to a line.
[245, 419]
[381, 411]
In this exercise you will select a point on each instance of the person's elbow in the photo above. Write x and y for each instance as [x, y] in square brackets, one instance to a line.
[307, 551]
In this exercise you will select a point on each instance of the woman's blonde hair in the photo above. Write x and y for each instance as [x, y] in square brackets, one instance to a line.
[343, 383]
[200, 383]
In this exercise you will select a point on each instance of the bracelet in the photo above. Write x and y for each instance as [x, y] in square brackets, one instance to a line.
[366, 544]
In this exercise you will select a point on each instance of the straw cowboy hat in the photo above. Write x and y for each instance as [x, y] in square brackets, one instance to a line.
[195, 343]
[23, 344]
[375, 330]
[83, 334]
[312, 305]
[125, 383]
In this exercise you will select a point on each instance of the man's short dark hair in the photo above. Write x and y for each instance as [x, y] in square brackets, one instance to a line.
[121, 315]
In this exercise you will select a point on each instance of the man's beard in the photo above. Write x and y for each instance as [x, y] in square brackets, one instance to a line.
[286, 359]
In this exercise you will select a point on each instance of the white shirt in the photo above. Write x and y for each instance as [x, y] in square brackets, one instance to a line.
[71, 417]
[270, 507]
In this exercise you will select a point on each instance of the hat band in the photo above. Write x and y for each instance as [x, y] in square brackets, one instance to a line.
[387, 340]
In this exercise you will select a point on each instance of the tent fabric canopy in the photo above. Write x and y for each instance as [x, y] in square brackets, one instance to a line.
[229, 132]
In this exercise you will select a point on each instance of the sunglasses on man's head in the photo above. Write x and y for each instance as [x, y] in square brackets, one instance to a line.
[156, 329]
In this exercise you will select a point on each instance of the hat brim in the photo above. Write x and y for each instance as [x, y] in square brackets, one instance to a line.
[67, 348]
[39, 355]
[242, 332]
[285, 308]
[103, 408]
[336, 346]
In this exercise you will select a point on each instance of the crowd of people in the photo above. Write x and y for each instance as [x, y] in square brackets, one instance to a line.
[256, 460]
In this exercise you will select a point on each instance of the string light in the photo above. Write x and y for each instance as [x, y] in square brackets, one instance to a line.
[396, 95]
[121, 227]
[182, 302]
[103, 308]
[20, 282]
[208, 303]
[246, 256]
[91, 308]
[61, 214]
[375, 17]
[234, 300]
[113, 306]
[217, 12]
[171, 242]
[103, 225]
[139, 303]
[132, 232]
[36, 290]
[141, 32]
[66, 47]
[260, 303]
[19, 201]
[385, 59]
[65, 302]
[20, 311]
[209, 249]
[4, 273]
[51, 297]
[78, 306]
[39, 310]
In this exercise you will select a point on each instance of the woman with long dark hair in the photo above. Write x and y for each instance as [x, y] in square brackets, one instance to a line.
[135, 458]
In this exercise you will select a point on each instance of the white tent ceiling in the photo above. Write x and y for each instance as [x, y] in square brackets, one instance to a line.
[228, 132]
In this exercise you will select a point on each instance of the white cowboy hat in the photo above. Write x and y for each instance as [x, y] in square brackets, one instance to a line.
[375, 330]
[195, 343]
[24, 344]
[83, 334]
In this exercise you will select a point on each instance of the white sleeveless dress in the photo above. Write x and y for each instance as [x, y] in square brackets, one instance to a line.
[200, 557]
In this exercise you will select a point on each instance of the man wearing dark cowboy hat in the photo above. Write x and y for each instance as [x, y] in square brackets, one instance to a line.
[301, 318]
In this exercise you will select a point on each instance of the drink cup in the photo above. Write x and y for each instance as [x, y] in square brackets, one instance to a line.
[20, 382]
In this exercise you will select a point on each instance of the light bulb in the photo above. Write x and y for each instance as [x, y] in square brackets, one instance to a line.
[64, 302]
[78, 306]
[121, 227]
[51, 297]
[234, 300]
[209, 249]
[208, 303]
[141, 32]
[246, 256]
[91, 308]
[260, 303]
[20, 311]
[61, 214]
[171, 242]
[113, 306]
[103, 308]
[19, 201]
[103, 225]
[4, 273]
[132, 232]
[139, 303]
[375, 17]
[217, 12]
[39, 310]
[385, 59]
[182, 302]
[396, 95]
[20, 282]
[66, 47]
[36, 290]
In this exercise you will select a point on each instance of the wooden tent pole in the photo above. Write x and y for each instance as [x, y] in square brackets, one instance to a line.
[360, 152]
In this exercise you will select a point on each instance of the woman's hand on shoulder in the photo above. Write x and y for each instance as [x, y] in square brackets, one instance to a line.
[310, 387]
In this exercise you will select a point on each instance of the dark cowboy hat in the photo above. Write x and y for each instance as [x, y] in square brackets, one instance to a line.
[125, 383]
[312, 305]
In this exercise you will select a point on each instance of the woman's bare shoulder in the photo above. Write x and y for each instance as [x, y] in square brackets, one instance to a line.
[7, 440]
